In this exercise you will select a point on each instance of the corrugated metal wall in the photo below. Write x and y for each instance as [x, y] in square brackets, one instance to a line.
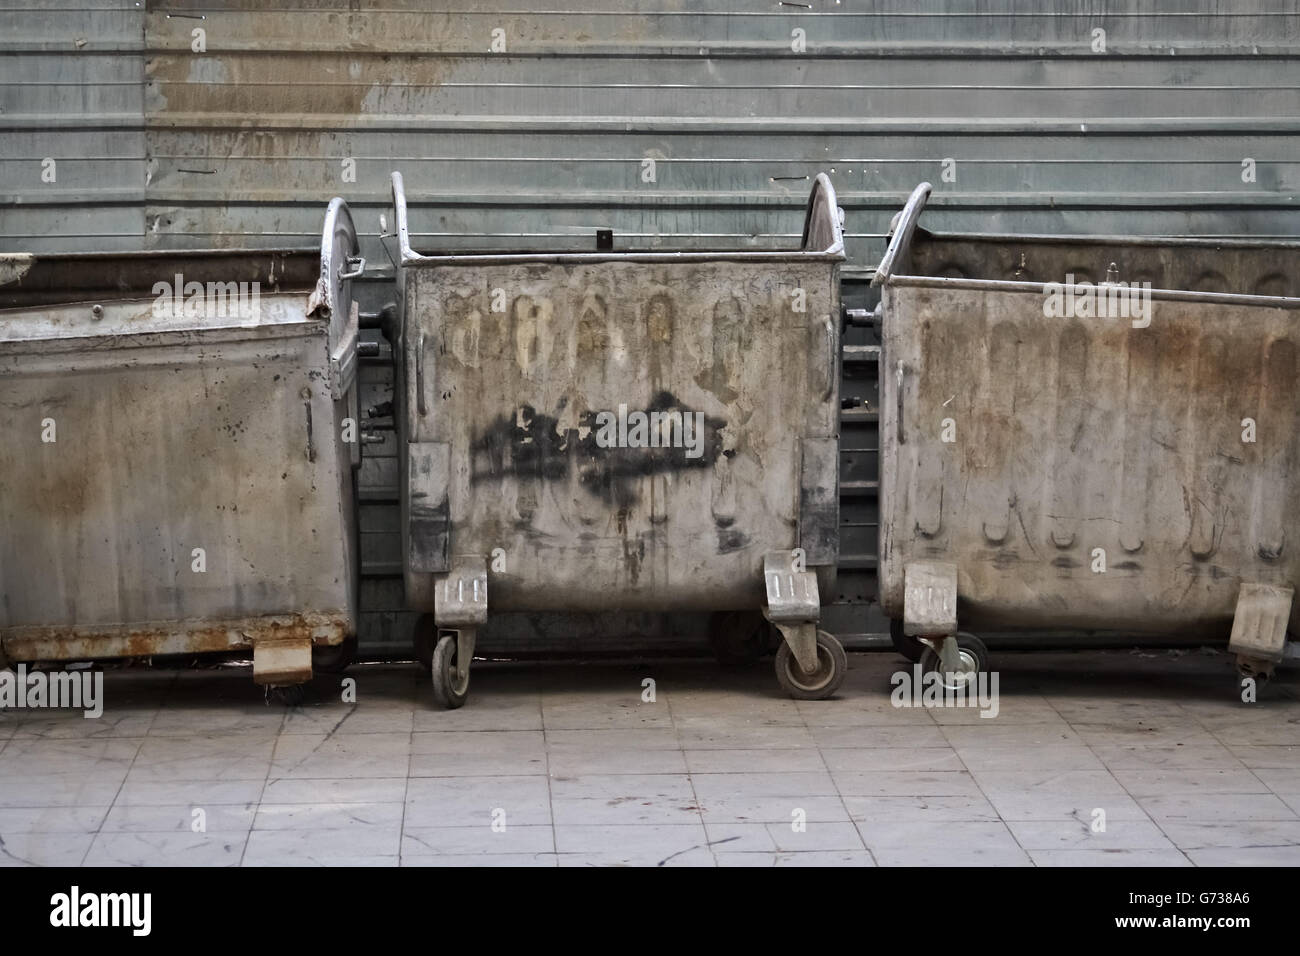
[158, 145]
[531, 129]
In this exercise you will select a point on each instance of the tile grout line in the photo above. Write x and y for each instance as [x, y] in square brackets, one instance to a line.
[975, 780]
[1250, 770]
[690, 781]
[546, 749]
[406, 784]
[270, 765]
[1111, 774]
[1228, 747]
[126, 776]
[835, 783]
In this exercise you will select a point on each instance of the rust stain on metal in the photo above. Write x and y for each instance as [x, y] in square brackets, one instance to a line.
[180, 637]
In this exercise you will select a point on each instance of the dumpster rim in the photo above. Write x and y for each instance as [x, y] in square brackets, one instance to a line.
[1040, 288]
[822, 189]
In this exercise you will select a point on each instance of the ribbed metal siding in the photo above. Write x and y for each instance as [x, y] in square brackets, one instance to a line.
[71, 91]
[543, 143]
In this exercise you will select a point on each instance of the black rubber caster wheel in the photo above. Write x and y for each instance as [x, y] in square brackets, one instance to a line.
[290, 695]
[450, 687]
[333, 659]
[973, 655]
[905, 644]
[423, 639]
[738, 637]
[832, 665]
[1246, 692]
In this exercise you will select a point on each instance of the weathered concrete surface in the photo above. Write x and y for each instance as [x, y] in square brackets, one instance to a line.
[707, 775]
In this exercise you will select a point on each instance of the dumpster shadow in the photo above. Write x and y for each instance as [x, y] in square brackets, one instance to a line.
[603, 676]
[1178, 677]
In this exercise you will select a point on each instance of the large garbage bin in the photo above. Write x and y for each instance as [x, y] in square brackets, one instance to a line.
[587, 431]
[178, 454]
[1095, 434]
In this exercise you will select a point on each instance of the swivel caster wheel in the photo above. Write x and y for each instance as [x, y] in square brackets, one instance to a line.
[290, 695]
[910, 647]
[973, 659]
[450, 681]
[423, 639]
[335, 658]
[832, 665]
[738, 637]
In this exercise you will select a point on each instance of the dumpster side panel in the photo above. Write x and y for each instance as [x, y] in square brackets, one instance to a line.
[127, 453]
[529, 372]
[1083, 444]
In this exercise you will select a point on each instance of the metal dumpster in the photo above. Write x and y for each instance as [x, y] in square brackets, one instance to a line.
[1098, 434]
[178, 456]
[590, 431]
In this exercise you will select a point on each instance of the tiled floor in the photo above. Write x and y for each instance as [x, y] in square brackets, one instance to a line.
[562, 764]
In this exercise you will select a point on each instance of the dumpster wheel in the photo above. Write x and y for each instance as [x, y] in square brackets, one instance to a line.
[910, 647]
[738, 637]
[1252, 674]
[974, 657]
[832, 664]
[422, 639]
[290, 695]
[334, 658]
[450, 683]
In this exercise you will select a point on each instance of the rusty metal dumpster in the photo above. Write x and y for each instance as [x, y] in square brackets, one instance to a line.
[589, 431]
[1097, 434]
[176, 467]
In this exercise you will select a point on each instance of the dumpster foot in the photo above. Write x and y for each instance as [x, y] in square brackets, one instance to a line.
[1259, 633]
[1260, 622]
[282, 661]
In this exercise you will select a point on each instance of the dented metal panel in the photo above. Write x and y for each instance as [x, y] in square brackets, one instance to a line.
[175, 471]
[527, 373]
[1091, 469]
